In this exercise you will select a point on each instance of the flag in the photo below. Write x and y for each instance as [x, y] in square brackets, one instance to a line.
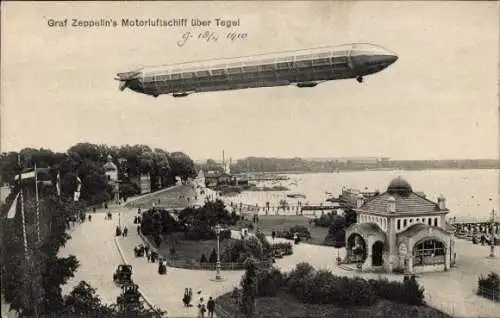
[13, 208]
[26, 175]
[78, 188]
[58, 184]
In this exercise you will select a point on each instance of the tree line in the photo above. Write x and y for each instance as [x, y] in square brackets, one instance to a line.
[32, 272]
[86, 160]
[264, 164]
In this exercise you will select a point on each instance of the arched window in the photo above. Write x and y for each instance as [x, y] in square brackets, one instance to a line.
[399, 224]
[405, 223]
[435, 221]
[429, 252]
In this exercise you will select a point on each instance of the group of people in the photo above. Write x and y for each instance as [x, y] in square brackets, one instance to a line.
[202, 308]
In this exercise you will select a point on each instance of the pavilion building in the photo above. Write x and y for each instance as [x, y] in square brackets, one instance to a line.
[400, 230]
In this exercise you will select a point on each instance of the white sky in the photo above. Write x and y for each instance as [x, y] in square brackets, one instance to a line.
[439, 100]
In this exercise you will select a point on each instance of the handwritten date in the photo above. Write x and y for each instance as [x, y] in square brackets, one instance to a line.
[210, 37]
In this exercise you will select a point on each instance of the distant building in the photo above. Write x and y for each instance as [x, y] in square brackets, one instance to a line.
[4, 193]
[111, 171]
[400, 229]
[215, 179]
[145, 183]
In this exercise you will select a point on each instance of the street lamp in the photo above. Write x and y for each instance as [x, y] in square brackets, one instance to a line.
[218, 276]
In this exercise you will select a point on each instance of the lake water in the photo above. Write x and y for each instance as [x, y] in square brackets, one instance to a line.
[467, 192]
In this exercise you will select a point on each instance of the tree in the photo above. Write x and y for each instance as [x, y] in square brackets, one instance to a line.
[249, 288]
[350, 217]
[83, 302]
[182, 165]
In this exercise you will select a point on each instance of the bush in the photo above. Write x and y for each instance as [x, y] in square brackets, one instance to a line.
[266, 246]
[407, 292]
[213, 257]
[203, 258]
[269, 282]
[286, 247]
[489, 286]
[225, 234]
[240, 250]
[322, 287]
[325, 220]
[301, 230]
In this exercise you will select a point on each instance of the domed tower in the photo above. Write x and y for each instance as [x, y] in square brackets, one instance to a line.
[399, 186]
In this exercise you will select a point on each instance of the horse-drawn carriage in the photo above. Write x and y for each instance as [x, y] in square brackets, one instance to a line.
[129, 297]
[123, 275]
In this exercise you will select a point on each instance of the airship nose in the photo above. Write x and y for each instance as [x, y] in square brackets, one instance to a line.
[391, 59]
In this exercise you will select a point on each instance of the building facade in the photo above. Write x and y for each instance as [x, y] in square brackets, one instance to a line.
[400, 230]
[111, 171]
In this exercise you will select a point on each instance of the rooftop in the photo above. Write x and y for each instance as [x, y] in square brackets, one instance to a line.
[407, 201]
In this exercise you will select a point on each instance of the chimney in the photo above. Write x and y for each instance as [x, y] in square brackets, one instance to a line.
[391, 205]
[442, 202]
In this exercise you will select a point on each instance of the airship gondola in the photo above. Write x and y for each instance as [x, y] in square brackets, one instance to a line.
[303, 68]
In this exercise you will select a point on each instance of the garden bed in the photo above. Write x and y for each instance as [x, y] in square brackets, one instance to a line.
[284, 305]
[270, 223]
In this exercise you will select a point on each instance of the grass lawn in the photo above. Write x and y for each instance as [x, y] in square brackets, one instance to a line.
[189, 251]
[284, 305]
[175, 198]
[270, 223]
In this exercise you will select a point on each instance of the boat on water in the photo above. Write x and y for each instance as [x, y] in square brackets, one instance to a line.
[296, 195]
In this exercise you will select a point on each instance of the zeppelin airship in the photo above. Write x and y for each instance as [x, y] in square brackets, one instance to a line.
[303, 68]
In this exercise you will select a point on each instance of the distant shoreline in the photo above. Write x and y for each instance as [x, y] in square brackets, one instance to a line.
[357, 170]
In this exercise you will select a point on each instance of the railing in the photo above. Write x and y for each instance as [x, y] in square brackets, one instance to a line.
[491, 294]
[473, 219]
[428, 260]
[210, 266]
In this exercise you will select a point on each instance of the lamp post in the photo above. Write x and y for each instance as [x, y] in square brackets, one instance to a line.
[218, 276]
[492, 234]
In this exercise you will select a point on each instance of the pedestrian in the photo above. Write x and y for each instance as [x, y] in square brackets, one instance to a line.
[148, 256]
[190, 296]
[139, 211]
[90, 217]
[125, 231]
[201, 309]
[185, 298]
[273, 234]
[211, 307]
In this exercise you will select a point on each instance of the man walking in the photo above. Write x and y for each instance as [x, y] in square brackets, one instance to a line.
[211, 307]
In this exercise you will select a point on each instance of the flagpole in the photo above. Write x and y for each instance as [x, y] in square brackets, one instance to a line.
[37, 208]
[25, 238]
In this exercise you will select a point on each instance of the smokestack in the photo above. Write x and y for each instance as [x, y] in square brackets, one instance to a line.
[223, 162]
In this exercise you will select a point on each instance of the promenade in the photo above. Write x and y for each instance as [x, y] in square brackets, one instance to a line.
[93, 243]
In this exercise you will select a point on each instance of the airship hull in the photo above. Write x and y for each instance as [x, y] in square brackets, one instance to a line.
[304, 69]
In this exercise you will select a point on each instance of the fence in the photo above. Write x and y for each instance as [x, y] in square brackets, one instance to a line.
[489, 293]
[211, 266]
